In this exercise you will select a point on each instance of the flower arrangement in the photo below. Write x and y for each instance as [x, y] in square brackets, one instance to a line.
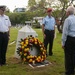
[26, 44]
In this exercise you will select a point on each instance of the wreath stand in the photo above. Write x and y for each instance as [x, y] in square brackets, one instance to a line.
[27, 47]
[41, 64]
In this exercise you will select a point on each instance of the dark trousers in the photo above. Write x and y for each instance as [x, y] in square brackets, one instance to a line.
[49, 40]
[69, 55]
[3, 47]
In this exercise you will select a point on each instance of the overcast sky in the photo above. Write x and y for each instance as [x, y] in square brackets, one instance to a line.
[11, 4]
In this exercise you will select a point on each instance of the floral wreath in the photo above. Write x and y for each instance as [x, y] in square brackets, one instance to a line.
[26, 44]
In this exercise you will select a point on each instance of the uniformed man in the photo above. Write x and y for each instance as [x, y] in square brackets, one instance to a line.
[4, 35]
[48, 29]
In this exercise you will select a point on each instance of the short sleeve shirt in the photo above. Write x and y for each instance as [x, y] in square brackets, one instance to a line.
[49, 23]
[4, 23]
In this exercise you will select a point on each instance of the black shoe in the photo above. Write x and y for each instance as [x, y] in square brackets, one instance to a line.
[0, 64]
[5, 64]
[50, 54]
[69, 73]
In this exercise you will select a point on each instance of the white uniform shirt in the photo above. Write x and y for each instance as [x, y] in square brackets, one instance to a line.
[4, 23]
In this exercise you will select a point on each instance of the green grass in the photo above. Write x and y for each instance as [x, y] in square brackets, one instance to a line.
[15, 67]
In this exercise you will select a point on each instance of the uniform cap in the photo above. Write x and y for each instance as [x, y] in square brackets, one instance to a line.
[2, 8]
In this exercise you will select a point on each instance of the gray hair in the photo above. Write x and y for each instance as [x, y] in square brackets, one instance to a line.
[70, 9]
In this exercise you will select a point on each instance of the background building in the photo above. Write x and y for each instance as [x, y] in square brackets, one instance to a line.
[19, 10]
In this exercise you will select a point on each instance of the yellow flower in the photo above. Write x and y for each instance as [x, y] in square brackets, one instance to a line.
[26, 43]
[20, 53]
[39, 57]
[42, 56]
[30, 60]
[43, 53]
[25, 54]
[27, 40]
[27, 49]
[22, 43]
[38, 60]
[41, 48]
[28, 57]
[35, 42]
[44, 50]
[31, 56]
[22, 47]
[35, 39]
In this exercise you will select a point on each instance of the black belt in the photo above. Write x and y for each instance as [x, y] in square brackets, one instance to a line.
[3, 32]
[48, 30]
[71, 36]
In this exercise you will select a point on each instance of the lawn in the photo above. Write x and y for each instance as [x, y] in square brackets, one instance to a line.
[15, 67]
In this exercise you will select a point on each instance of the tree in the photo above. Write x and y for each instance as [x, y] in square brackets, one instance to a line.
[64, 4]
[42, 4]
[32, 5]
[50, 2]
[7, 10]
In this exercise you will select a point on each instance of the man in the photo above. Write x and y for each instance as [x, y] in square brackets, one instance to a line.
[48, 29]
[4, 34]
[68, 41]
